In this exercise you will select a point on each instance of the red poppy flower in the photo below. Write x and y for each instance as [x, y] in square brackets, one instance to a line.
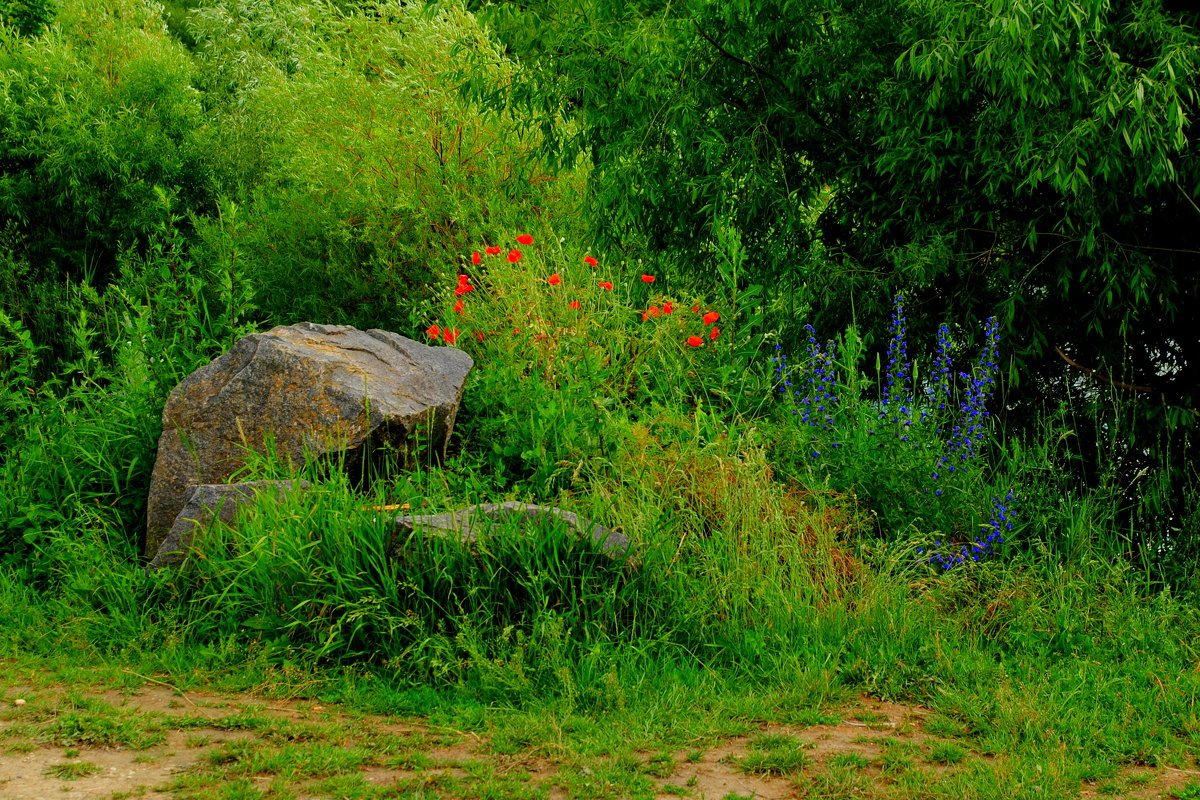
[458, 306]
[514, 256]
[605, 285]
[711, 317]
[695, 341]
[462, 289]
[668, 308]
[475, 258]
[574, 304]
[591, 262]
[696, 309]
[433, 331]
[714, 333]
[450, 335]
[479, 335]
[648, 278]
[554, 280]
[524, 238]
[653, 311]
[492, 251]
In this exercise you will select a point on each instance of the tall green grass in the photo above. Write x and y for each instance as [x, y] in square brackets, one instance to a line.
[81, 444]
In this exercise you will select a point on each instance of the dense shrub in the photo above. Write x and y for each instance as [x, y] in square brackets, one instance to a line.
[377, 172]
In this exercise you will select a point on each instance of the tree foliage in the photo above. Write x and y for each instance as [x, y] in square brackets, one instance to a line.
[369, 176]
[99, 127]
[317, 145]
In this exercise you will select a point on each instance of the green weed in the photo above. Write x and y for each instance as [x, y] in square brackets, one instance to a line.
[73, 770]
[773, 754]
[946, 753]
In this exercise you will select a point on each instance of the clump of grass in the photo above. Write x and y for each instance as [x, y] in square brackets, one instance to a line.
[941, 725]
[809, 716]
[849, 761]
[895, 761]
[660, 765]
[73, 770]
[946, 753]
[774, 754]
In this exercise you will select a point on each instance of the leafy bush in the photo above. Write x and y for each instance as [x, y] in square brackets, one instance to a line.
[101, 137]
[27, 17]
[377, 172]
[161, 318]
[567, 349]
[1032, 160]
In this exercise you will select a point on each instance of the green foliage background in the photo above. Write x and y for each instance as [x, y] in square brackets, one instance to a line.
[805, 160]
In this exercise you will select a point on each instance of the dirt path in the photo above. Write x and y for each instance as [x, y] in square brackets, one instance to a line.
[154, 741]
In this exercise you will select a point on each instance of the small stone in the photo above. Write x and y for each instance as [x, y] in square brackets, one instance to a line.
[18, 702]
[206, 502]
[467, 524]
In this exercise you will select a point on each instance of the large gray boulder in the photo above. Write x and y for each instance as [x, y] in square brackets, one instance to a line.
[468, 524]
[213, 501]
[303, 390]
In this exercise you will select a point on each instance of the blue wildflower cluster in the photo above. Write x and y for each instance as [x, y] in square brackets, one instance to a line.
[937, 391]
[812, 387]
[962, 435]
[969, 430]
[956, 410]
[896, 401]
[983, 545]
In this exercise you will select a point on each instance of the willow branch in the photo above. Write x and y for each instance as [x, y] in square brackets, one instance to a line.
[1091, 373]
[738, 59]
[1187, 197]
[802, 106]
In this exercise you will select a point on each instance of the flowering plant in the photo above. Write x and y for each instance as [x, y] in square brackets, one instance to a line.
[695, 336]
[917, 449]
[563, 339]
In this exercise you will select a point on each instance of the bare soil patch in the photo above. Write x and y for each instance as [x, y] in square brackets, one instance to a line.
[154, 741]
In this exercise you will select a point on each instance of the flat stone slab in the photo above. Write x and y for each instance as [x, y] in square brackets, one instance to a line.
[209, 500]
[468, 524]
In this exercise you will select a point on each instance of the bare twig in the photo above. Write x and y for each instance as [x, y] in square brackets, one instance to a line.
[162, 683]
[1187, 197]
[1184, 771]
[1091, 373]
[802, 105]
